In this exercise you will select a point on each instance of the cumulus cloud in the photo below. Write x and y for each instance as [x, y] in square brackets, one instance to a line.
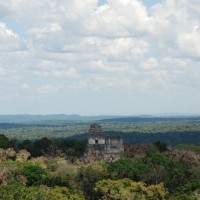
[189, 43]
[24, 86]
[179, 26]
[2, 72]
[59, 46]
[70, 73]
[9, 41]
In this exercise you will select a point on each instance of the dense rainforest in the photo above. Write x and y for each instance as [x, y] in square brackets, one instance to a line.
[46, 159]
[55, 169]
[138, 131]
[185, 130]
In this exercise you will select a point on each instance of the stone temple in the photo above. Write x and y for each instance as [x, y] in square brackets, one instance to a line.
[104, 144]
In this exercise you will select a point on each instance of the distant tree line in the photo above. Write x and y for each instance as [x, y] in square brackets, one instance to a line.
[46, 146]
[171, 138]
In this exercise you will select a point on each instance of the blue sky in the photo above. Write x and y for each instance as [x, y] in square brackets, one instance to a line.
[147, 3]
[118, 57]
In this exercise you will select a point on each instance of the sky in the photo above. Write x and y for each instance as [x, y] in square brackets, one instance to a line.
[90, 57]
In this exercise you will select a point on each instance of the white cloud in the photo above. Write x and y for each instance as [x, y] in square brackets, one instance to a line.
[121, 18]
[50, 28]
[123, 48]
[2, 72]
[132, 14]
[8, 75]
[47, 89]
[68, 46]
[189, 43]
[150, 64]
[178, 25]
[24, 86]
[9, 41]
[65, 74]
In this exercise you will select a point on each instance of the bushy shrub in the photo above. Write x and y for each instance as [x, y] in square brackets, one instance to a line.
[34, 174]
[18, 191]
[87, 178]
[5, 142]
[126, 168]
[128, 189]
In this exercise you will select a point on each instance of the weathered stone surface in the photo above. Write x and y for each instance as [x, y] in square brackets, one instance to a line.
[22, 155]
[97, 142]
[91, 156]
[95, 129]
[114, 145]
[111, 157]
[42, 161]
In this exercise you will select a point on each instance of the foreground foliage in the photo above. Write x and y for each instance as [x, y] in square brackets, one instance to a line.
[128, 189]
[154, 175]
[21, 192]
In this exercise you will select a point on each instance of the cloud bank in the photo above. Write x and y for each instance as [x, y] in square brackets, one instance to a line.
[120, 57]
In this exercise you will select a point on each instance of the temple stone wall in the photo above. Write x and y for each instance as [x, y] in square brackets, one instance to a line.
[95, 129]
[96, 141]
[114, 145]
[106, 145]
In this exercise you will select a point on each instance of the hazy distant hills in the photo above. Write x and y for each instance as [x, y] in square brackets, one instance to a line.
[65, 119]
[133, 129]
[149, 119]
[48, 118]
[31, 118]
